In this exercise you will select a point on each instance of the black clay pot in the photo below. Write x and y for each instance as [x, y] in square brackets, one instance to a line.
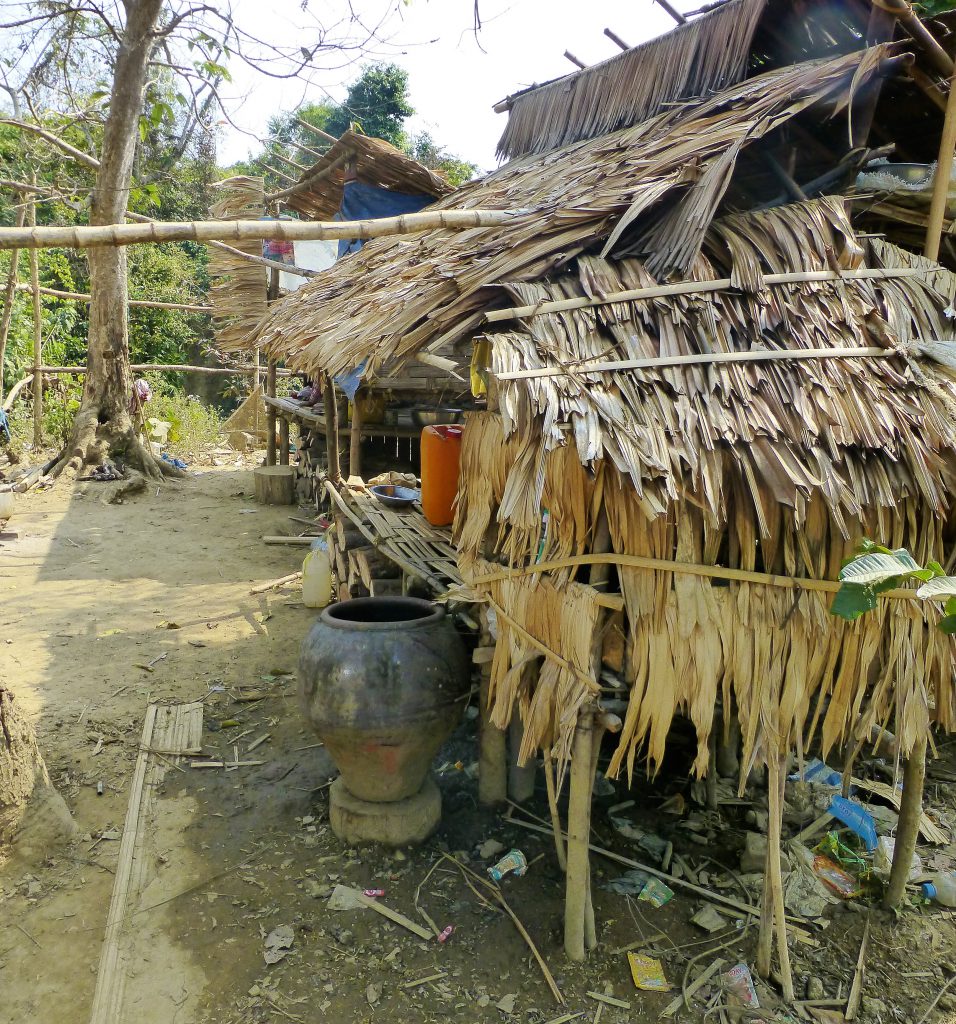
[382, 682]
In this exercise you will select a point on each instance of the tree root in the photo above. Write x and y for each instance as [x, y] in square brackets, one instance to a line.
[93, 443]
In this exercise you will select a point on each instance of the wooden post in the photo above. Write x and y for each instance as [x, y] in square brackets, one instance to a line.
[283, 441]
[773, 906]
[551, 787]
[492, 742]
[355, 441]
[37, 338]
[520, 777]
[579, 827]
[907, 831]
[9, 293]
[271, 415]
[944, 170]
[331, 430]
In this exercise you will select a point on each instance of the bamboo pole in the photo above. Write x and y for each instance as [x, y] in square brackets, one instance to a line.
[271, 414]
[318, 131]
[141, 303]
[907, 831]
[306, 183]
[331, 432]
[943, 179]
[15, 390]
[718, 284]
[37, 336]
[355, 440]
[579, 828]
[689, 568]
[552, 791]
[707, 359]
[245, 230]
[228, 371]
[8, 295]
[615, 38]
[775, 783]
[939, 58]
[492, 741]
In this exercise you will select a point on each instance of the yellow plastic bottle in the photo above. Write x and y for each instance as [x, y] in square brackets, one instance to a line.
[317, 575]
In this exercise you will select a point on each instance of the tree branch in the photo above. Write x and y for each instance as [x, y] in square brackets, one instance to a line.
[77, 154]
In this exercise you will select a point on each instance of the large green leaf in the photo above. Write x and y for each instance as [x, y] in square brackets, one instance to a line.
[852, 600]
[870, 570]
[941, 588]
[948, 624]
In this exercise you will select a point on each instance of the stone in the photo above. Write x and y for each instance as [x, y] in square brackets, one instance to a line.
[815, 988]
[754, 854]
[873, 1007]
[489, 848]
[396, 823]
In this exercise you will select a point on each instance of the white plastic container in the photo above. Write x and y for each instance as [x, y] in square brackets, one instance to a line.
[317, 575]
[7, 501]
[941, 888]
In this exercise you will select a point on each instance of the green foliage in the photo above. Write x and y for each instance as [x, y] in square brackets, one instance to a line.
[930, 8]
[876, 569]
[194, 425]
[377, 103]
[436, 158]
[61, 399]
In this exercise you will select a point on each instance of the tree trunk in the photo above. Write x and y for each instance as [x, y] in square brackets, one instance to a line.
[103, 426]
[907, 831]
[32, 814]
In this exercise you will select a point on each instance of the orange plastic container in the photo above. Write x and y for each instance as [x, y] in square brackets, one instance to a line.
[441, 454]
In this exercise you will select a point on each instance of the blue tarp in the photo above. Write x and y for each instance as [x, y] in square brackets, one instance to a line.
[369, 202]
[363, 202]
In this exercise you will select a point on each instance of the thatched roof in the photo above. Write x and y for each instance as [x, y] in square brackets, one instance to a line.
[865, 433]
[697, 58]
[376, 163]
[401, 295]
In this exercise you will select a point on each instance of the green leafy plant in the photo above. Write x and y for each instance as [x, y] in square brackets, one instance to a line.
[876, 569]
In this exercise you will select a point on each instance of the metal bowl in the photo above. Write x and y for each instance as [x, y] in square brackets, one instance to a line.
[431, 417]
[396, 496]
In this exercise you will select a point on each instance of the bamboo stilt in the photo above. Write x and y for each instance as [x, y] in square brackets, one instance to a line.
[775, 784]
[550, 785]
[271, 415]
[8, 295]
[37, 338]
[331, 431]
[355, 439]
[943, 179]
[907, 831]
[579, 827]
[492, 741]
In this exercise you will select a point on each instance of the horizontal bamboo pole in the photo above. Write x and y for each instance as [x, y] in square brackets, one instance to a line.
[139, 303]
[705, 359]
[15, 390]
[698, 287]
[245, 230]
[230, 371]
[668, 565]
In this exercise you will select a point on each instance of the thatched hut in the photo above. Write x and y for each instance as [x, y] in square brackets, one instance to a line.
[705, 384]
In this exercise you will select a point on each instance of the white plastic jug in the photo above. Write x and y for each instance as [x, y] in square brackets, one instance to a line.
[317, 575]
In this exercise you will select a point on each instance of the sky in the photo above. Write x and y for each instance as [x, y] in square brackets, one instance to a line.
[455, 77]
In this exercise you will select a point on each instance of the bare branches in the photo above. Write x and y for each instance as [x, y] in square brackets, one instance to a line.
[76, 154]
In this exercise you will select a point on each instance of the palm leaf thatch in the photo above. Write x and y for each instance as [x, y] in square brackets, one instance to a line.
[776, 467]
[400, 295]
[318, 194]
[237, 287]
[693, 60]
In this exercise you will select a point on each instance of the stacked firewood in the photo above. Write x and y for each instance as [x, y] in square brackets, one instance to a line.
[360, 569]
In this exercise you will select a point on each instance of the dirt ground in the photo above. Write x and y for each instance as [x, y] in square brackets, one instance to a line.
[107, 607]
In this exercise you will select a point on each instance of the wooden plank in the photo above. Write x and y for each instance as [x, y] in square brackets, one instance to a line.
[108, 980]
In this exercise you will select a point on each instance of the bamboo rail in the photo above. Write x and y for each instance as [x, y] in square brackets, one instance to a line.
[242, 371]
[37, 335]
[244, 230]
[139, 303]
[668, 565]
[699, 287]
[307, 183]
[705, 359]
